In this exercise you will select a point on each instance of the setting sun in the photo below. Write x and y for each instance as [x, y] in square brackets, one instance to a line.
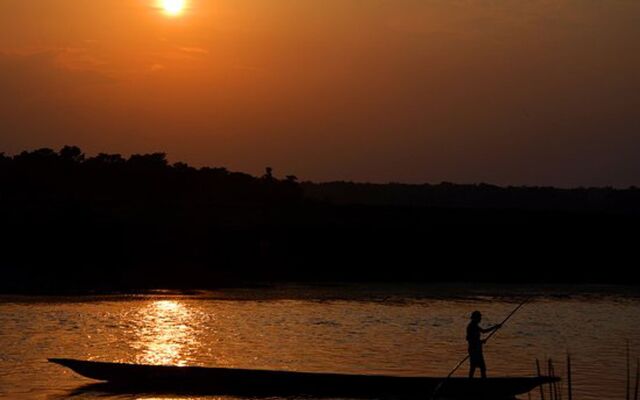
[173, 7]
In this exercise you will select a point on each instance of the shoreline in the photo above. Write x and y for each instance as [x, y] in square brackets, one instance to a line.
[374, 291]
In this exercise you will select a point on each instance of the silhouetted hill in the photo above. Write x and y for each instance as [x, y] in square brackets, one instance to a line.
[77, 223]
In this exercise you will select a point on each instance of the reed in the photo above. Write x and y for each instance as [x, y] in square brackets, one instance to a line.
[569, 384]
[558, 394]
[554, 386]
[540, 374]
[628, 373]
[635, 395]
[550, 373]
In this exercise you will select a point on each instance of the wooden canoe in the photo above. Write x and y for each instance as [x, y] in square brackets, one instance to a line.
[253, 383]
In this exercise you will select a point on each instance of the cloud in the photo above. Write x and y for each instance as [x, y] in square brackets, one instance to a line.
[46, 74]
[157, 67]
[78, 58]
[194, 50]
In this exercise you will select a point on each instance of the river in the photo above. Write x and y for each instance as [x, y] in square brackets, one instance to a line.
[374, 329]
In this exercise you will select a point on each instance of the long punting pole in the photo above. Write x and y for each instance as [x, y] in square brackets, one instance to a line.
[453, 371]
[507, 319]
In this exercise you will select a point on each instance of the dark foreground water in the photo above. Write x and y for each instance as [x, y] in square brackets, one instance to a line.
[392, 329]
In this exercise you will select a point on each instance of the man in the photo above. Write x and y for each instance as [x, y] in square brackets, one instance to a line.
[474, 337]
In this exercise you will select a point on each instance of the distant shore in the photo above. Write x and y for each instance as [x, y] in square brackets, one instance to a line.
[370, 291]
[77, 224]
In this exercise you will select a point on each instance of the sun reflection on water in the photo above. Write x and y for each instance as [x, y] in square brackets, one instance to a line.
[166, 333]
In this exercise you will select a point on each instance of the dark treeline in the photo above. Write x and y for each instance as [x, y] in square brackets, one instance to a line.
[76, 223]
[449, 195]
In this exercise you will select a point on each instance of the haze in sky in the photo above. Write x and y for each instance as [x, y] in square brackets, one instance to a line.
[537, 92]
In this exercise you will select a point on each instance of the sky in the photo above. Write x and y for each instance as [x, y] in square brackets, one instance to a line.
[528, 92]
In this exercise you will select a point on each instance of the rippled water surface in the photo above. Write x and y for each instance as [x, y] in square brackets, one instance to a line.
[401, 330]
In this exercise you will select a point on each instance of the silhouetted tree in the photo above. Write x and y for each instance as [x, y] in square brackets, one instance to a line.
[37, 157]
[148, 161]
[183, 167]
[268, 174]
[107, 159]
[71, 153]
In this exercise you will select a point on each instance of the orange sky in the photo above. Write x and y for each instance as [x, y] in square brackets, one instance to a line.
[508, 92]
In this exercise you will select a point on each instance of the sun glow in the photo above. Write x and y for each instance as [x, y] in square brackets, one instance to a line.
[173, 7]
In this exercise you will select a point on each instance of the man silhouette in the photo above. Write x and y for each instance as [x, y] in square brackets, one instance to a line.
[474, 338]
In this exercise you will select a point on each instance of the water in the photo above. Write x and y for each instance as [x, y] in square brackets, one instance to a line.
[403, 330]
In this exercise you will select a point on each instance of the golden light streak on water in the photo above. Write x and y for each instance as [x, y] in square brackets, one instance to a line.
[165, 333]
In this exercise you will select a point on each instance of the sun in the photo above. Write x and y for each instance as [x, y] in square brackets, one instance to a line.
[173, 7]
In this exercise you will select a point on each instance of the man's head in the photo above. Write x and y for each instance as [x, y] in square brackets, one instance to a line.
[476, 316]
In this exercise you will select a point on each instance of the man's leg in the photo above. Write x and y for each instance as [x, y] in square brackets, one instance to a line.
[483, 368]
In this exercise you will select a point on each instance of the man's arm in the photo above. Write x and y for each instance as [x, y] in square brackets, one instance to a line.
[493, 328]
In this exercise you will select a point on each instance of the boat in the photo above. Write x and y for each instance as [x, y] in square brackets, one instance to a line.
[259, 383]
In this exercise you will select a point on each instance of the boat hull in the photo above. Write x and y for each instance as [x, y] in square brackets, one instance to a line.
[284, 383]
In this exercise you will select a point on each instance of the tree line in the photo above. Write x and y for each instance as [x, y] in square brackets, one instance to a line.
[70, 222]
